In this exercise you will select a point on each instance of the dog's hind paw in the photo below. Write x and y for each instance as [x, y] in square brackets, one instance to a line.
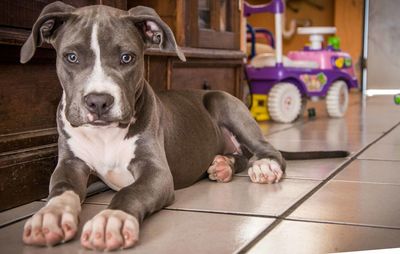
[221, 170]
[110, 230]
[265, 171]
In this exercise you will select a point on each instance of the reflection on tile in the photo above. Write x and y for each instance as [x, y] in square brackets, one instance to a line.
[270, 127]
[19, 212]
[241, 196]
[308, 238]
[380, 151]
[164, 232]
[248, 198]
[309, 169]
[353, 202]
[353, 124]
[311, 145]
[312, 138]
[371, 171]
[193, 232]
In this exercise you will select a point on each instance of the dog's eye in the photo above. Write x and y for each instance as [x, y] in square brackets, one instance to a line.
[72, 58]
[126, 58]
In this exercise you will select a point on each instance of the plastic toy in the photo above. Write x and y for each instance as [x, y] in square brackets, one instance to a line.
[397, 99]
[314, 72]
[259, 107]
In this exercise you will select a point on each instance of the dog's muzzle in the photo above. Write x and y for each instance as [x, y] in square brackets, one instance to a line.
[98, 105]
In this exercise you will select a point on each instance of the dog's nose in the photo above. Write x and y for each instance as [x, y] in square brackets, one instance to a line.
[99, 103]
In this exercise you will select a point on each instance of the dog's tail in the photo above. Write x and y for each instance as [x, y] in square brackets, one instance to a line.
[312, 155]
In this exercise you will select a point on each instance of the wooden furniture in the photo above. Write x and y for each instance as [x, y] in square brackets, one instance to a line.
[29, 94]
[351, 36]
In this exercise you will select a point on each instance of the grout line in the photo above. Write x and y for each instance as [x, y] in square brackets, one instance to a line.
[243, 214]
[365, 182]
[341, 223]
[294, 178]
[375, 159]
[380, 160]
[291, 209]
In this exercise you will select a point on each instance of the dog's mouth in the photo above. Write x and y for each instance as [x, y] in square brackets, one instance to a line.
[96, 122]
[100, 123]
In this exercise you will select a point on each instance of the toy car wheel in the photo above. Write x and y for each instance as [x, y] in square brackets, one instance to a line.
[284, 102]
[337, 99]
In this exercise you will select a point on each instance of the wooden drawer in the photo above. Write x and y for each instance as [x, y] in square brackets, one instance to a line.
[220, 78]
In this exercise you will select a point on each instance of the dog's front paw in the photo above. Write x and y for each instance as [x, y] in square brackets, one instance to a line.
[110, 230]
[265, 171]
[56, 222]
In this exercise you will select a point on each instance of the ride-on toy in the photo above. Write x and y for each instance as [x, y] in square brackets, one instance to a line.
[314, 72]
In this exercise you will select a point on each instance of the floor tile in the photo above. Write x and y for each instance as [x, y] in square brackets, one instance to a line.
[19, 212]
[103, 198]
[312, 138]
[308, 238]
[313, 169]
[392, 138]
[96, 187]
[309, 169]
[353, 122]
[354, 203]
[192, 232]
[380, 151]
[93, 189]
[269, 127]
[164, 232]
[241, 196]
[371, 171]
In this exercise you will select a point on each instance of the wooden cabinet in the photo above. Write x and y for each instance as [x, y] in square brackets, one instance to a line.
[208, 69]
[211, 24]
[216, 24]
[208, 32]
[203, 78]
[29, 94]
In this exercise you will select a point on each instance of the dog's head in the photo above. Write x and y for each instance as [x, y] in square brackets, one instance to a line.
[100, 57]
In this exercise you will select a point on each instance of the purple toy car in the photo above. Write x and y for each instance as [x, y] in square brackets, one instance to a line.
[313, 72]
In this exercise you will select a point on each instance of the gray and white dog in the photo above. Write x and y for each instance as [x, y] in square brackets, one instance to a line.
[113, 125]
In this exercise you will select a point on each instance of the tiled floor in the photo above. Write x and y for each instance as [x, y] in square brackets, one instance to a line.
[326, 205]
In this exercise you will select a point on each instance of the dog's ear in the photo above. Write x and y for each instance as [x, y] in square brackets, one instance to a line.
[49, 20]
[154, 31]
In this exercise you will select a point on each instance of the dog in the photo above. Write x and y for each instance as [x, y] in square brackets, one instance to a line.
[141, 144]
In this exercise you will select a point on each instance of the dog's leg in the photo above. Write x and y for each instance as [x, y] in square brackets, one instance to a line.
[234, 159]
[58, 220]
[118, 226]
[232, 114]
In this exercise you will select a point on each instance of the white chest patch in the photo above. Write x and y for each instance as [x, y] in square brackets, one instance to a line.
[105, 150]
